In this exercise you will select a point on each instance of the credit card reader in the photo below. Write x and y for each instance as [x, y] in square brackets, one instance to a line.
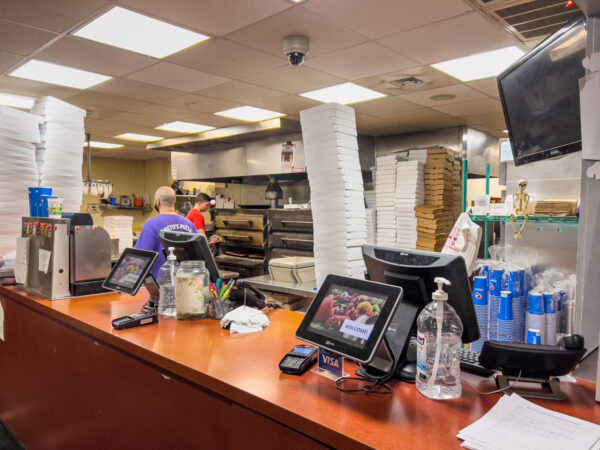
[298, 360]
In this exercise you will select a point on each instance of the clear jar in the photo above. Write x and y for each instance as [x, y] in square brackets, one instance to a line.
[192, 295]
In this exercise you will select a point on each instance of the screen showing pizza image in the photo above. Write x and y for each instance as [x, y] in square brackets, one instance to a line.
[128, 272]
[347, 315]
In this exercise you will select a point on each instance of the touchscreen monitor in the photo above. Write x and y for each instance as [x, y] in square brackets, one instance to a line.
[129, 272]
[350, 316]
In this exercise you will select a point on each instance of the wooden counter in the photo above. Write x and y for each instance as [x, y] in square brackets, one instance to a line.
[68, 380]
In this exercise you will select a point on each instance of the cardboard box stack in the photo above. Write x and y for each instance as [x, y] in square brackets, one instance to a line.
[441, 209]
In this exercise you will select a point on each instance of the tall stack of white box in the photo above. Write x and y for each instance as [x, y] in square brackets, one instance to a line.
[410, 192]
[60, 153]
[371, 211]
[19, 132]
[336, 190]
[385, 188]
[121, 228]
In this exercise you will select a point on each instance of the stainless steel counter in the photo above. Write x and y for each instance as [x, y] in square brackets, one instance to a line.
[265, 282]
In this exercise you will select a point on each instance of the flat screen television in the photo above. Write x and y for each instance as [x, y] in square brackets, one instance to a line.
[540, 96]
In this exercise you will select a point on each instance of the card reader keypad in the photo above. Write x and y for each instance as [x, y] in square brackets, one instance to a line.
[292, 362]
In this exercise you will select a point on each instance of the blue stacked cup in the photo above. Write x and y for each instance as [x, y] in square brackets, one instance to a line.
[534, 318]
[513, 284]
[505, 318]
[533, 337]
[495, 287]
[482, 310]
[522, 305]
[550, 318]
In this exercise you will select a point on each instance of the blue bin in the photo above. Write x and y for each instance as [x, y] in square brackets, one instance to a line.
[38, 196]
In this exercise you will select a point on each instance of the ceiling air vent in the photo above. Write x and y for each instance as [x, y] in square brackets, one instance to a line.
[531, 19]
[408, 82]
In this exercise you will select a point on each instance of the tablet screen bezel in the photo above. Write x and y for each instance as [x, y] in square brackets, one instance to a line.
[113, 286]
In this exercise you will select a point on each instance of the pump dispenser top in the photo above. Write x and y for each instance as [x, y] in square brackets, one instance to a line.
[440, 294]
[172, 257]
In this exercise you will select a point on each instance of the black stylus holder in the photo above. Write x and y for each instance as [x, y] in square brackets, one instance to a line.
[532, 364]
[391, 355]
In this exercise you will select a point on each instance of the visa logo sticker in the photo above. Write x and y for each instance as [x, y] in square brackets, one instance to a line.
[331, 362]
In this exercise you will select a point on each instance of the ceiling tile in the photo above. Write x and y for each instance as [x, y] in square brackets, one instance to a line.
[90, 98]
[387, 106]
[460, 36]
[97, 113]
[22, 40]
[216, 17]
[8, 60]
[134, 118]
[430, 77]
[200, 103]
[212, 120]
[488, 86]
[227, 59]
[425, 118]
[134, 89]
[175, 76]
[237, 91]
[493, 120]
[325, 36]
[166, 113]
[461, 92]
[486, 105]
[376, 126]
[361, 61]
[22, 86]
[386, 16]
[130, 153]
[93, 56]
[55, 15]
[294, 80]
[290, 104]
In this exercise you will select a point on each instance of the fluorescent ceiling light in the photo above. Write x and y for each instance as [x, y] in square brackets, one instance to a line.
[344, 93]
[57, 74]
[138, 137]
[184, 127]
[480, 65]
[17, 101]
[249, 114]
[505, 131]
[126, 29]
[95, 144]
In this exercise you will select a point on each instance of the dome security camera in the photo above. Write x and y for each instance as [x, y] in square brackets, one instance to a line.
[295, 47]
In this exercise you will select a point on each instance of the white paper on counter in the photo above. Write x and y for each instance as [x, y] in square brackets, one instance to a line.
[21, 257]
[44, 260]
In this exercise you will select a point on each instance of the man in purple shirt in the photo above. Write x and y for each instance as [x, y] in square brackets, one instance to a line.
[164, 203]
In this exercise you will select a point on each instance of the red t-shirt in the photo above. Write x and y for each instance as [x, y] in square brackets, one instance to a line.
[196, 218]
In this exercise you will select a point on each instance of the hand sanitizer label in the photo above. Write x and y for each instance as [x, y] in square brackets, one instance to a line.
[421, 357]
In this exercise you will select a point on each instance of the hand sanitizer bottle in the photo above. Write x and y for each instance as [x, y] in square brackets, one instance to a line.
[439, 331]
[166, 283]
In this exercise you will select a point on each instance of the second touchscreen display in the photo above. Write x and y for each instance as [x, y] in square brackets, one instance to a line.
[347, 315]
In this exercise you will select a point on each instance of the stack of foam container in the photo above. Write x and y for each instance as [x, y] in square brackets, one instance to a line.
[336, 190]
[60, 153]
[19, 133]
[410, 192]
[385, 188]
[121, 228]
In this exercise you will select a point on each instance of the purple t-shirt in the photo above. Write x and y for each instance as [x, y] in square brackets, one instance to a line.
[150, 240]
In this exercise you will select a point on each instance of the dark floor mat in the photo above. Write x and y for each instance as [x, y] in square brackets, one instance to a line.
[7, 440]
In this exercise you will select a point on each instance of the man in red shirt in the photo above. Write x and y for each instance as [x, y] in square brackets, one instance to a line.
[195, 216]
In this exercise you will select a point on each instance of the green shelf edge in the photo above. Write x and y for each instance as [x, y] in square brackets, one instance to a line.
[532, 219]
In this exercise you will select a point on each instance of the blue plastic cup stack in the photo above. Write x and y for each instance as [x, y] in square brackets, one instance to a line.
[522, 305]
[535, 319]
[533, 337]
[495, 287]
[482, 310]
[550, 318]
[505, 317]
[513, 284]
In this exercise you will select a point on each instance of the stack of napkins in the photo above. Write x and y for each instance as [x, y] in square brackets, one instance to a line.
[385, 190]
[60, 153]
[410, 192]
[121, 228]
[19, 132]
[336, 190]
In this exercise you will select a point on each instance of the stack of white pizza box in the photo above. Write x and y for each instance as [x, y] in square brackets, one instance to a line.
[410, 192]
[385, 189]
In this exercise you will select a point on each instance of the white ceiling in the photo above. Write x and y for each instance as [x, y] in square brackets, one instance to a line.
[368, 43]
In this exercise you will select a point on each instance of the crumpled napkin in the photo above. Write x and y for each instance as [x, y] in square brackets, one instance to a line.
[245, 320]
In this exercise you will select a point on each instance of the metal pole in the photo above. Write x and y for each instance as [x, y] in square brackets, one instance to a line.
[89, 157]
[464, 183]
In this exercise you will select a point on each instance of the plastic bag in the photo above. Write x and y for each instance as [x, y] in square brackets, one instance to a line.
[464, 240]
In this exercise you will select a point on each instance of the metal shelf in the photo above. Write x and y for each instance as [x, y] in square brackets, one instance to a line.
[133, 208]
[531, 219]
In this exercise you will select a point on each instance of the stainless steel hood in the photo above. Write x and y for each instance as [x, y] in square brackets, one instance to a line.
[229, 137]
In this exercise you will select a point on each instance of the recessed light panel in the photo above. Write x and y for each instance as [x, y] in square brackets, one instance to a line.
[16, 101]
[249, 114]
[138, 137]
[129, 30]
[480, 65]
[344, 93]
[95, 144]
[57, 74]
[184, 127]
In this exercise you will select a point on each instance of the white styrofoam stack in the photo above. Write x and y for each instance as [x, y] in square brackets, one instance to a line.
[336, 190]
[121, 228]
[19, 133]
[410, 192]
[385, 188]
[60, 153]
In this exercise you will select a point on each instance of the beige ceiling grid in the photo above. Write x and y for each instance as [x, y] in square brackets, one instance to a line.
[371, 43]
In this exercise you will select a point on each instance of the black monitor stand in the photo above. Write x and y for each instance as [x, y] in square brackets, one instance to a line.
[391, 355]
